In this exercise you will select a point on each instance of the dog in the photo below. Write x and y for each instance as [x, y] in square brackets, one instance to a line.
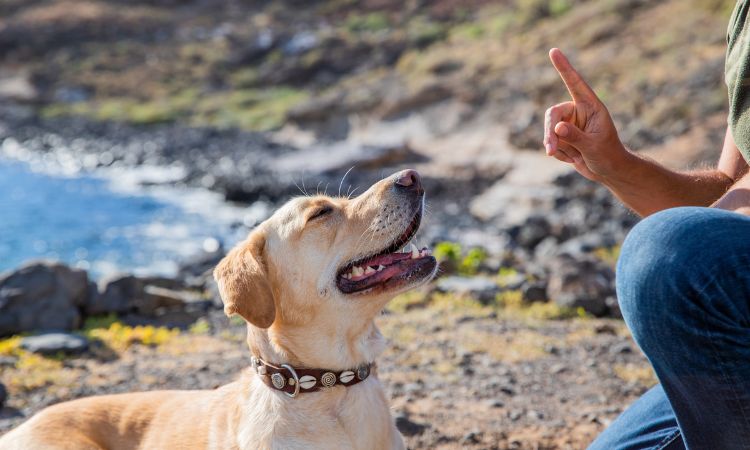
[309, 282]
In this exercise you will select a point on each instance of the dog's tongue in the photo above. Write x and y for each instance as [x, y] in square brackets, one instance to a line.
[387, 259]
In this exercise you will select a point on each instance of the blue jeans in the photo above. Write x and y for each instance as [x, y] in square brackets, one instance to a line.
[683, 282]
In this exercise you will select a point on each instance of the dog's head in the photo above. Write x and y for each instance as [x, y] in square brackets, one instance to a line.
[326, 266]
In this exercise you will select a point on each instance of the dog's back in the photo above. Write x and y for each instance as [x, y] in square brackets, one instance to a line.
[147, 419]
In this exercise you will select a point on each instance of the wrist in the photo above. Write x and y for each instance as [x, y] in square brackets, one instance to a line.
[624, 169]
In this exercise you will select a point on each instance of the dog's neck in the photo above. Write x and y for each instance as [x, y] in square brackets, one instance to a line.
[336, 351]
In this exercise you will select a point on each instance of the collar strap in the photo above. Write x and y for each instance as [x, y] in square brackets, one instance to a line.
[292, 381]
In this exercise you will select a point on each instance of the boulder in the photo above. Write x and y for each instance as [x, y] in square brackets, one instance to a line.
[408, 427]
[116, 295]
[50, 344]
[157, 298]
[42, 295]
[535, 291]
[480, 288]
[533, 231]
[585, 282]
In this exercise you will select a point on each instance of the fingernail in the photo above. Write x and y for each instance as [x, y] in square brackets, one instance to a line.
[548, 147]
[562, 131]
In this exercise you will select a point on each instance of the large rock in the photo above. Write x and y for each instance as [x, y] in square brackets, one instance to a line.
[3, 395]
[42, 295]
[116, 294]
[158, 298]
[50, 344]
[586, 283]
[408, 427]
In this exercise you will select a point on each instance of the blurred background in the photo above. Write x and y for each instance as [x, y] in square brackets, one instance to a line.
[141, 139]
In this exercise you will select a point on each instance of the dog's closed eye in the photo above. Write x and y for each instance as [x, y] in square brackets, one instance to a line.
[320, 212]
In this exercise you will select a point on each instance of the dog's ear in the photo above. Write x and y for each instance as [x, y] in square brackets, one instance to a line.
[243, 282]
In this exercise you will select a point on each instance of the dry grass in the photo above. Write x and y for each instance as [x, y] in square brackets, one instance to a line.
[515, 347]
[638, 374]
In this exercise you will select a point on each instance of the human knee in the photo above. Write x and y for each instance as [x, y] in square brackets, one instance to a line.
[655, 263]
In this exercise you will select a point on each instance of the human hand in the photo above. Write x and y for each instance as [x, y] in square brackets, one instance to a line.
[581, 132]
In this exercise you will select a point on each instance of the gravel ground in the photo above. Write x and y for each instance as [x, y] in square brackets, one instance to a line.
[459, 375]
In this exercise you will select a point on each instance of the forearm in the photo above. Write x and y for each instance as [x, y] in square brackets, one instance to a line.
[647, 187]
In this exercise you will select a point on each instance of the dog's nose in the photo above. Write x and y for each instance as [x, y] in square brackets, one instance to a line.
[409, 180]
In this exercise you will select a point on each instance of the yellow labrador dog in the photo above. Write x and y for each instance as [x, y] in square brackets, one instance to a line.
[309, 281]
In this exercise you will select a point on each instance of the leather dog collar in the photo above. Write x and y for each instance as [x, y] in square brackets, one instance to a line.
[292, 381]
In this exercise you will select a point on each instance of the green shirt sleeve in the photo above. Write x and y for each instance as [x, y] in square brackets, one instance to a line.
[737, 77]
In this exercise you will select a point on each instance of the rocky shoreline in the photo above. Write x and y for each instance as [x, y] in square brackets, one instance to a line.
[563, 234]
[509, 254]
[560, 243]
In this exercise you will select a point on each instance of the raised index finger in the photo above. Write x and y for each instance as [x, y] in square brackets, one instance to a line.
[577, 87]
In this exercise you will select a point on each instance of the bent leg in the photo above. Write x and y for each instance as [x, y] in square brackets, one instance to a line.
[649, 423]
[683, 282]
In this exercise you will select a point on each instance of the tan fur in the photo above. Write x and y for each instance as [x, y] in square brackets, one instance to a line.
[282, 281]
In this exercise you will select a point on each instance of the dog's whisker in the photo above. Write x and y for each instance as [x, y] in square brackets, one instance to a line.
[298, 187]
[344, 178]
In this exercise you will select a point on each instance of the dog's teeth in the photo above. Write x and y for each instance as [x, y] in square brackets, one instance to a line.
[381, 267]
[369, 270]
[414, 252]
[357, 271]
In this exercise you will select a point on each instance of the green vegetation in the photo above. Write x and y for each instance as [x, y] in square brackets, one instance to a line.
[367, 23]
[473, 260]
[511, 304]
[452, 258]
[249, 109]
[508, 304]
[118, 336]
[32, 371]
[423, 32]
[407, 301]
[609, 255]
[495, 47]
[200, 327]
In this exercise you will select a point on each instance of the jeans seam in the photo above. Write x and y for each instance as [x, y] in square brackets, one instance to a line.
[668, 440]
[728, 379]
[729, 382]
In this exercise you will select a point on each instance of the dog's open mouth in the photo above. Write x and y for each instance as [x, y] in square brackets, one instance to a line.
[390, 268]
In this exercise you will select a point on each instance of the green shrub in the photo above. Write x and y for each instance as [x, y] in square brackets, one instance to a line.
[448, 252]
[473, 260]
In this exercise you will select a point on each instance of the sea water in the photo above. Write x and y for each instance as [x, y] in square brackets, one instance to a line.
[85, 221]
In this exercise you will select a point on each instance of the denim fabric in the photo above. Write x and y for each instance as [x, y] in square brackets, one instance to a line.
[683, 282]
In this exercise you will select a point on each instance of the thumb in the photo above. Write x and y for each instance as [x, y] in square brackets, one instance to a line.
[570, 133]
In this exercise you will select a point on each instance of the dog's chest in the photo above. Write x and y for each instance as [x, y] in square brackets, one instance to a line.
[357, 419]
